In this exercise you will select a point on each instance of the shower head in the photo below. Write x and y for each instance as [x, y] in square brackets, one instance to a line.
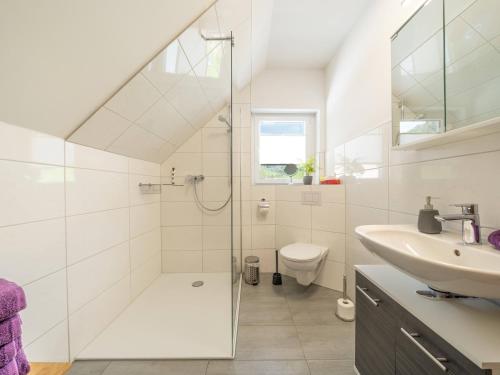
[221, 118]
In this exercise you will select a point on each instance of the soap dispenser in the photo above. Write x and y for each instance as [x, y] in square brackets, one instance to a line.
[426, 221]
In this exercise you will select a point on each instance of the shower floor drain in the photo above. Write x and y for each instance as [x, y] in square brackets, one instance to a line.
[197, 284]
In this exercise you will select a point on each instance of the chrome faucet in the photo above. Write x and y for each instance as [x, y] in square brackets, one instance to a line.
[470, 221]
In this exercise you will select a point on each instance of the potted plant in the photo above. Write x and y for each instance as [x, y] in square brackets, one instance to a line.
[308, 168]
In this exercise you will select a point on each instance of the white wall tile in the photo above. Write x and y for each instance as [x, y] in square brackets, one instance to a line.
[215, 140]
[193, 144]
[293, 214]
[260, 217]
[106, 269]
[267, 259]
[137, 197]
[26, 145]
[86, 323]
[86, 157]
[216, 164]
[329, 217]
[331, 275]
[90, 191]
[91, 233]
[144, 247]
[369, 188]
[336, 243]
[144, 218]
[263, 237]
[52, 345]
[216, 189]
[216, 237]
[142, 167]
[144, 275]
[292, 193]
[101, 130]
[30, 251]
[182, 238]
[222, 217]
[330, 193]
[46, 305]
[182, 261]
[180, 213]
[217, 261]
[134, 98]
[286, 235]
[30, 192]
[184, 164]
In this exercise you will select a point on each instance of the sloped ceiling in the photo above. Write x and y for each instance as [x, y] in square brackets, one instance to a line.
[178, 92]
[60, 60]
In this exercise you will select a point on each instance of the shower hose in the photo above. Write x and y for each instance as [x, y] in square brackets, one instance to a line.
[198, 201]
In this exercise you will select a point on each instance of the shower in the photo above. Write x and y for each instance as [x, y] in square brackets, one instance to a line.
[195, 180]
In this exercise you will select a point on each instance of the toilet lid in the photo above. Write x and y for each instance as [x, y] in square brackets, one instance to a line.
[302, 252]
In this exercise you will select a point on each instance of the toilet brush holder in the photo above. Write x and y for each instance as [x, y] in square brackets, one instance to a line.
[277, 276]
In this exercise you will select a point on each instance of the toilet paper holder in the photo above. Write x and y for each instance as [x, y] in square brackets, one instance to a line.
[264, 205]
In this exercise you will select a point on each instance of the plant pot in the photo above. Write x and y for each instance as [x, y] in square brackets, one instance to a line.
[308, 180]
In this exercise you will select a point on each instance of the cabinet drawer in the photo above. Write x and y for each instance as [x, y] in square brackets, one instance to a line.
[420, 351]
[376, 328]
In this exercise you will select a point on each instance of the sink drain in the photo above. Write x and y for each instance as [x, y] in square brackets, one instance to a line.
[197, 284]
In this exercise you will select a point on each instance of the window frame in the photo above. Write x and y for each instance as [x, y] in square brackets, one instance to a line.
[310, 118]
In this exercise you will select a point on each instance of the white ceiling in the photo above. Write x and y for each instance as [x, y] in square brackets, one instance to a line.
[306, 33]
[60, 60]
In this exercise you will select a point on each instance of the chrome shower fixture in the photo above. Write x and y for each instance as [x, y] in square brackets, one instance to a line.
[221, 118]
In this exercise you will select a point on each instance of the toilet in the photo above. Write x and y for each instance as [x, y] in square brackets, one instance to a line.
[305, 260]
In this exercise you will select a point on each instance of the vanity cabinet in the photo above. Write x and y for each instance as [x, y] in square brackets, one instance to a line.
[390, 340]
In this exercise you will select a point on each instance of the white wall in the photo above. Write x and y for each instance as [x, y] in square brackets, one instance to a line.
[196, 240]
[385, 185]
[292, 89]
[77, 235]
[64, 59]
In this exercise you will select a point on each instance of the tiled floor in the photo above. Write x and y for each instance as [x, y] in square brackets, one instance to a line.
[286, 330]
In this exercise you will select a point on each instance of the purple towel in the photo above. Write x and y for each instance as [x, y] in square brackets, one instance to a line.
[8, 353]
[22, 363]
[10, 369]
[12, 299]
[10, 329]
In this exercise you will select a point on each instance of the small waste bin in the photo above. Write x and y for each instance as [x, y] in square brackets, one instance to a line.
[252, 270]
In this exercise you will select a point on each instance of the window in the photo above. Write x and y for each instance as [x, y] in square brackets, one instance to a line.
[282, 139]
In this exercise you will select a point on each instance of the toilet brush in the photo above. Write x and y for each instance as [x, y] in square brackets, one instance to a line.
[277, 276]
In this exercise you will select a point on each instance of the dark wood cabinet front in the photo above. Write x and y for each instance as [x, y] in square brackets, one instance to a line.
[389, 340]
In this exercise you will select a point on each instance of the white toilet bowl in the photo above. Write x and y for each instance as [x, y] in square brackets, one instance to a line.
[305, 260]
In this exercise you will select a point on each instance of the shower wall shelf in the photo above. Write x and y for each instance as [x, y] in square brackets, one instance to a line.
[153, 188]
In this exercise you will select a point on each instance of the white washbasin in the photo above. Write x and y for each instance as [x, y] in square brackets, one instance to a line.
[439, 260]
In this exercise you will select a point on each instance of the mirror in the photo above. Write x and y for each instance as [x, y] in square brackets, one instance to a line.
[472, 62]
[418, 109]
[446, 70]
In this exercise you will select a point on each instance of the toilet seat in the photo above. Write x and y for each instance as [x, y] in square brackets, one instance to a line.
[302, 252]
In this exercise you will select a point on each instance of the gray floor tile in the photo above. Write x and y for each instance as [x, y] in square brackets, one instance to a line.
[320, 311]
[265, 312]
[156, 368]
[268, 342]
[258, 368]
[327, 341]
[88, 367]
[327, 367]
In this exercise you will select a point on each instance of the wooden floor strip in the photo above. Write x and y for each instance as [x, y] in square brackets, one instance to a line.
[41, 368]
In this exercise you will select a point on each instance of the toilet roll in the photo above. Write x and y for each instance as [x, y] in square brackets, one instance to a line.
[345, 310]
